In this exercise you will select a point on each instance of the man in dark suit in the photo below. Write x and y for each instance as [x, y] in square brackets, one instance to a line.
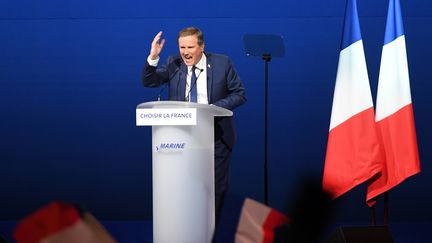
[202, 77]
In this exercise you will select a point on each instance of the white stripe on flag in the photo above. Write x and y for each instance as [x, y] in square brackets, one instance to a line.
[352, 91]
[393, 87]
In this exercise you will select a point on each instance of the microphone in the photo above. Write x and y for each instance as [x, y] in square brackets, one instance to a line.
[177, 68]
[192, 85]
[160, 92]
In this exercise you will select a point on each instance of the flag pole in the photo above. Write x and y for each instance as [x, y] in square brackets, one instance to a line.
[386, 207]
[373, 215]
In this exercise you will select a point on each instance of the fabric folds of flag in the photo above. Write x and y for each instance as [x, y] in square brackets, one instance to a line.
[244, 220]
[353, 151]
[59, 222]
[394, 111]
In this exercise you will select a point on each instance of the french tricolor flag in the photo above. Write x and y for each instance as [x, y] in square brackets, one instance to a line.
[353, 151]
[244, 220]
[394, 110]
[59, 222]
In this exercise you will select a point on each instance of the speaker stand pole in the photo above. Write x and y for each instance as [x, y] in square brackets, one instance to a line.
[266, 58]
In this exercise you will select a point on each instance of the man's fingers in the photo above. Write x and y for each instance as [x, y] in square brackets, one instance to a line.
[159, 34]
[157, 45]
[161, 43]
[157, 37]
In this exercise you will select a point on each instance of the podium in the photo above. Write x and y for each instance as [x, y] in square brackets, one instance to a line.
[183, 169]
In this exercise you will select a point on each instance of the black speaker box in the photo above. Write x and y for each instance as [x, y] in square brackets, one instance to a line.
[363, 234]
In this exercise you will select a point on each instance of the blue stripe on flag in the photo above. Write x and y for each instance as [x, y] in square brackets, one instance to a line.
[351, 33]
[394, 25]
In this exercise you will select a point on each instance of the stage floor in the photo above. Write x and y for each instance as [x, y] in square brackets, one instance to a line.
[141, 231]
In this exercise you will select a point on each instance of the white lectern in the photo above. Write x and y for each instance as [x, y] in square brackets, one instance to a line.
[183, 169]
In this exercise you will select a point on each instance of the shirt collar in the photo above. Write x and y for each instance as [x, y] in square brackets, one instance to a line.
[201, 63]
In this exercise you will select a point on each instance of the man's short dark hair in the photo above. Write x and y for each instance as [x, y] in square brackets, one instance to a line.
[192, 31]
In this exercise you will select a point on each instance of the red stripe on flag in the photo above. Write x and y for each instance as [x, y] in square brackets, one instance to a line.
[353, 154]
[46, 221]
[398, 136]
[273, 220]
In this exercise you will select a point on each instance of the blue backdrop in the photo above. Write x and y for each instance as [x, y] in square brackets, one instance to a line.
[70, 82]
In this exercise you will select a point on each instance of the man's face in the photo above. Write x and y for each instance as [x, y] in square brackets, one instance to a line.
[190, 51]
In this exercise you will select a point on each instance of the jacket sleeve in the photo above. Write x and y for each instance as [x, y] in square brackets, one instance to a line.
[236, 94]
[154, 76]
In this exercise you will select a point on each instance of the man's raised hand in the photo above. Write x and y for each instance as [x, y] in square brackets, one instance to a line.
[156, 46]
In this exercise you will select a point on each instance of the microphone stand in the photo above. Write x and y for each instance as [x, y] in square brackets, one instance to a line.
[160, 92]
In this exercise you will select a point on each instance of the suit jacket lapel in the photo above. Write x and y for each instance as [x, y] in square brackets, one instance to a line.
[209, 67]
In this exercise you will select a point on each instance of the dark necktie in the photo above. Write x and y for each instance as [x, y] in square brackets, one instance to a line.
[194, 92]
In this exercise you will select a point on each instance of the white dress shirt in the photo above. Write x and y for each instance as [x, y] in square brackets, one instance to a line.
[201, 83]
[201, 74]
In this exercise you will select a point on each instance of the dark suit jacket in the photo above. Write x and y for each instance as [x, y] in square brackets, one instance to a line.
[224, 87]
